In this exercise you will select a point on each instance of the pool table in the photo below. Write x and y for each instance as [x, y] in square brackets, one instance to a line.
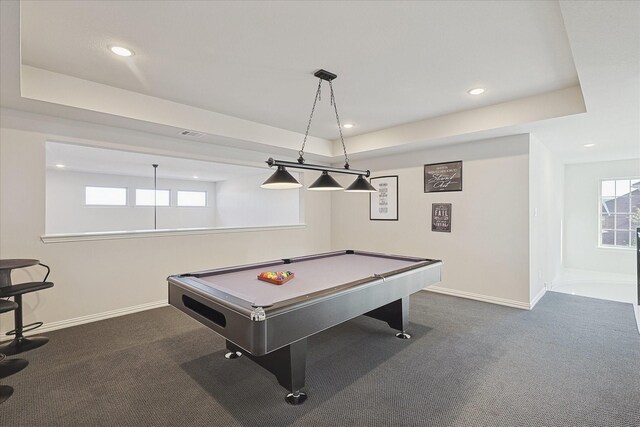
[270, 323]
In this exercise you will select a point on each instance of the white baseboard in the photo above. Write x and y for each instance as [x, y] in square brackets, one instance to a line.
[537, 298]
[568, 276]
[94, 317]
[483, 298]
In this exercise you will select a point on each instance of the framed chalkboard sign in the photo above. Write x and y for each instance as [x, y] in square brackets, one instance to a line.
[441, 217]
[383, 204]
[441, 177]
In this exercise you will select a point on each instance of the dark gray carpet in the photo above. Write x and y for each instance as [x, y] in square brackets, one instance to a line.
[572, 361]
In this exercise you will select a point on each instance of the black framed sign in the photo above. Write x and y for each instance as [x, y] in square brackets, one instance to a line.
[441, 217]
[441, 177]
[383, 205]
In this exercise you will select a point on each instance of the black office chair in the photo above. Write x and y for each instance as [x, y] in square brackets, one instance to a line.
[12, 366]
[20, 343]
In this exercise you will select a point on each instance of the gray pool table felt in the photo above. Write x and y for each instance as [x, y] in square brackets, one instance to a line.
[310, 276]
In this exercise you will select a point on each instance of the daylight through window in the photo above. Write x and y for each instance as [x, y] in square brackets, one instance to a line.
[145, 197]
[192, 198]
[619, 212]
[105, 196]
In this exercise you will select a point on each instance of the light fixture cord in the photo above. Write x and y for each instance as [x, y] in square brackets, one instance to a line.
[335, 107]
[306, 134]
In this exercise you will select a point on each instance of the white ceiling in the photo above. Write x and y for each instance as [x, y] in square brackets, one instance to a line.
[401, 65]
[397, 62]
[78, 158]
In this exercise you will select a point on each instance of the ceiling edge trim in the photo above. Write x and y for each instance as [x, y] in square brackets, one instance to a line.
[559, 103]
[43, 85]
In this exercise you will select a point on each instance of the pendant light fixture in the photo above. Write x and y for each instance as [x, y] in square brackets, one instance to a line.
[282, 179]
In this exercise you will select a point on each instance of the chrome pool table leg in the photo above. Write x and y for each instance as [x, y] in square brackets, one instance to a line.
[232, 355]
[287, 363]
[296, 398]
[396, 314]
[234, 351]
[289, 366]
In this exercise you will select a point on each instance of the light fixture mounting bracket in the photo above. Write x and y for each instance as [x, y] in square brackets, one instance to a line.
[325, 75]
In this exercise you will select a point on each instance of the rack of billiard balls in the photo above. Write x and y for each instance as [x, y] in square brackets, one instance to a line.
[277, 278]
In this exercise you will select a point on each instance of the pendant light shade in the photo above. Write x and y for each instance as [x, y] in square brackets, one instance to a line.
[325, 183]
[281, 180]
[361, 185]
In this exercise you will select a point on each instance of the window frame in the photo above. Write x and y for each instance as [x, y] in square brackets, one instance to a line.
[600, 244]
[126, 197]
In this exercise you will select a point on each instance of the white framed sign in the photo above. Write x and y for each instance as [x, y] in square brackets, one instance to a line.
[383, 205]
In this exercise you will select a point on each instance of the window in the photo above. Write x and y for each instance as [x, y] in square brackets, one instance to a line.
[105, 196]
[619, 212]
[192, 198]
[113, 191]
[145, 197]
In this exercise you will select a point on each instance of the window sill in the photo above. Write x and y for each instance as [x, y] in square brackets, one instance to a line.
[617, 248]
[137, 234]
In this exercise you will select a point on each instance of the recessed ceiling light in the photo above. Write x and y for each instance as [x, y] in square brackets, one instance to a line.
[588, 145]
[60, 165]
[348, 125]
[121, 51]
[476, 91]
[195, 177]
